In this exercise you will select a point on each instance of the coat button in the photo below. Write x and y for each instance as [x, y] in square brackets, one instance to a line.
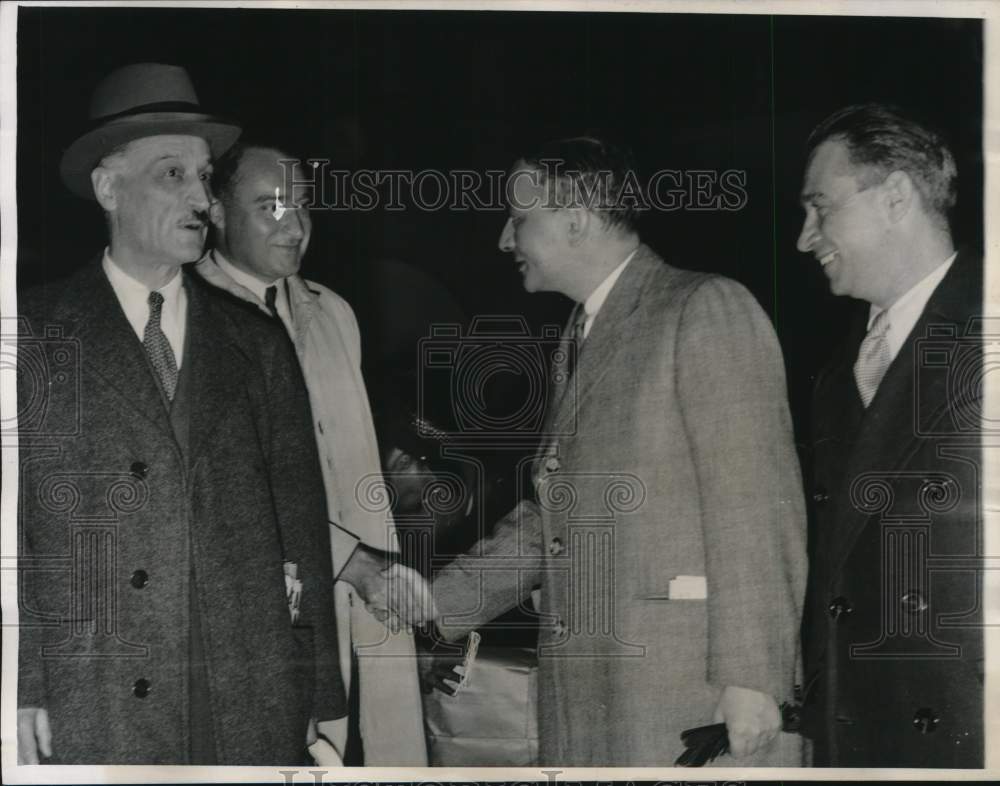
[552, 464]
[139, 579]
[839, 606]
[925, 720]
[820, 496]
[141, 688]
[913, 602]
[556, 547]
[139, 470]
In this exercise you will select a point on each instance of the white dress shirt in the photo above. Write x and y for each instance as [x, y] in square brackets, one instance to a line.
[596, 299]
[904, 313]
[133, 296]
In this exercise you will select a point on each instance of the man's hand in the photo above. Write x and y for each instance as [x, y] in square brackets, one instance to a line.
[409, 599]
[438, 671]
[752, 719]
[33, 735]
[363, 571]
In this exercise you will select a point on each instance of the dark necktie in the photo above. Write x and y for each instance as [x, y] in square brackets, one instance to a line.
[579, 322]
[271, 299]
[158, 348]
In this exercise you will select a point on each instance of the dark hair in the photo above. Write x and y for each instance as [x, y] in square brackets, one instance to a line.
[594, 172]
[226, 167]
[885, 139]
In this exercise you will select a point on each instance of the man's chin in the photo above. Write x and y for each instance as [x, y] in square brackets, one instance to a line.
[287, 264]
[189, 251]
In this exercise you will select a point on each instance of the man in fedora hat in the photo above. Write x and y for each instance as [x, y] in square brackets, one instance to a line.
[176, 585]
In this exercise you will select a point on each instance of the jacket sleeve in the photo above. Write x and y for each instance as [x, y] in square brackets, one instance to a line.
[300, 508]
[493, 576]
[731, 387]
[31, 682]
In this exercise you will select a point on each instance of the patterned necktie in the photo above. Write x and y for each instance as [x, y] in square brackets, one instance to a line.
[564, 362]
[271, 299]
[158, 348]
[874, 358]
[579, 322]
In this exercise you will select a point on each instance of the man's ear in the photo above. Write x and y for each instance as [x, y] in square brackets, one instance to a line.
[217, 214]
[899, 195]
[578, 224]
[103, 181]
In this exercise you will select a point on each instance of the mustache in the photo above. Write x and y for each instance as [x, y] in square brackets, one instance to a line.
[200, 216]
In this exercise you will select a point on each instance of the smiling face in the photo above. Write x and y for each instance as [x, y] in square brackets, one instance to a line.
[846, 227]
[536, 233]
[264, 232]
[157, 198]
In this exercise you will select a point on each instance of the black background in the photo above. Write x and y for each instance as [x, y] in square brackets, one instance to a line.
[442, 90]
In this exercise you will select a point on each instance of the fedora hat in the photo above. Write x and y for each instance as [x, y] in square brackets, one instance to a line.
[136, 101]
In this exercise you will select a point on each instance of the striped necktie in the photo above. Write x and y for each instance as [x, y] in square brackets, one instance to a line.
[154, 341]
[874, 358]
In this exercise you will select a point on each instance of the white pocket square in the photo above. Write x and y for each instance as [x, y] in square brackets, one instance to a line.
[687, 588]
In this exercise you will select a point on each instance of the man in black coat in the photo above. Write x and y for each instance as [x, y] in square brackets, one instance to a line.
[176, 588]
[894, 641]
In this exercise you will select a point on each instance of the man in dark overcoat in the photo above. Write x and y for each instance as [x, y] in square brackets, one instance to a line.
[894, 642]
[176, 592]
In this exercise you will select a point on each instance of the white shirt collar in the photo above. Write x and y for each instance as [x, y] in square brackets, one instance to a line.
[133, 296]
[596, 299]
[904, 313]
[258, 287]
[241, 277]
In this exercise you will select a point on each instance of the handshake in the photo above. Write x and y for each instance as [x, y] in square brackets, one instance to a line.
[398, 596]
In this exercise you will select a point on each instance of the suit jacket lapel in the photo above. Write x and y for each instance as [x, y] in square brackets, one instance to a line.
[111, 350]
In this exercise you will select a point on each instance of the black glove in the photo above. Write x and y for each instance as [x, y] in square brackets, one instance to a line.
[706, 743]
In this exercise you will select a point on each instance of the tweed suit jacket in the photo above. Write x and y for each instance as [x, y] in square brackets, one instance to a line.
[894, 642]
[116, 523]
[668, 455]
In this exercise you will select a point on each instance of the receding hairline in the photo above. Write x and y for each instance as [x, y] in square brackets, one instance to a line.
[261, 151]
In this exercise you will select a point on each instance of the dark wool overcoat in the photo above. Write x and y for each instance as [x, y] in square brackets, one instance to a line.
[119, 526]
[894, 641]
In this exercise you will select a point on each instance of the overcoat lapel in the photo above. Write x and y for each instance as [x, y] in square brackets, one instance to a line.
[112, 351]
[217, 369]
[888, 433]
[606, 335]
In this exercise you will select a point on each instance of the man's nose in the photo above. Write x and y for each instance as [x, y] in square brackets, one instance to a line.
[293, 222]
[507, 237]
[808, 235]
[200, 195]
